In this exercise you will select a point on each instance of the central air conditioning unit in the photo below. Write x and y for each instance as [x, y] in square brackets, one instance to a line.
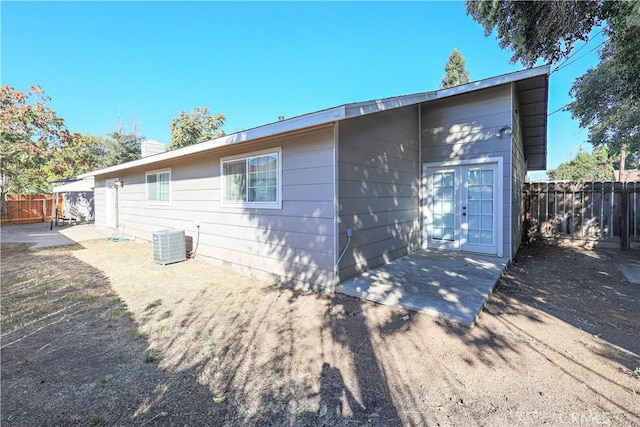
[169, 246]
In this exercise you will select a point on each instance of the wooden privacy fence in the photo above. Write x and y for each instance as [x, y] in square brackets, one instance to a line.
[588, 211]
[27, 208]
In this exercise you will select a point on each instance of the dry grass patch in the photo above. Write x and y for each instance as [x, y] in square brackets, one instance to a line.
[192, 344]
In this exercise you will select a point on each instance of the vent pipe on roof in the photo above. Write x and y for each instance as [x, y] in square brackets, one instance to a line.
[280, 118]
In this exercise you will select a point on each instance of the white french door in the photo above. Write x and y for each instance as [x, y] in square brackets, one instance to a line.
[461, 207]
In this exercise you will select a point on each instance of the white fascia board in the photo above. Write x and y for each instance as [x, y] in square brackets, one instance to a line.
[494, 81]
[284, 126]
[326, 116]
[368, 107]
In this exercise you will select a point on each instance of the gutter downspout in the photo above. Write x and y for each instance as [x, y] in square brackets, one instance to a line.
[336, 206]
[421, 194]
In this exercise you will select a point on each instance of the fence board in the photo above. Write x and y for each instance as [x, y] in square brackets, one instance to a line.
[582, 211]
[28, 208]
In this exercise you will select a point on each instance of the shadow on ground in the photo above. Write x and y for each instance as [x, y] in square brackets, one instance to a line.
[222, 349]
[581, 287]
[71, 353]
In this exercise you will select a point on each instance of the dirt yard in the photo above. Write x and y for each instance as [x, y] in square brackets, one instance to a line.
[100, 335]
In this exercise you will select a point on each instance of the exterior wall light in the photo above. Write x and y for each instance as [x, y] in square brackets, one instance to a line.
[505, 130]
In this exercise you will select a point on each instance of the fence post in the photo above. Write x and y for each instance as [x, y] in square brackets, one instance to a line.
[624, 218]
[526, 220]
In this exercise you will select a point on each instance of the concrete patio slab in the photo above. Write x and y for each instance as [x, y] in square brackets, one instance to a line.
[41, 234]
[446, 284]
[629, 265]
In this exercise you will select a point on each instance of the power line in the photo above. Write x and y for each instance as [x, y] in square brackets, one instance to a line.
[577, 59]
[578, 50]
[559, 109]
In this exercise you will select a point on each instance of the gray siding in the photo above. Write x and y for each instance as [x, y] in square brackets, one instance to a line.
[519, 172]
[464, 127]
[293, 245]
[99, 202]
[378, 169]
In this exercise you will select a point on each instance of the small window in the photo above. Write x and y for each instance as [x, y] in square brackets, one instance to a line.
[252, 180]
[159, 186]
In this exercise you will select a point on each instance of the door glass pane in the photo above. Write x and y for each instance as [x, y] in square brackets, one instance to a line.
[473, 236]
[442, 205]
[475, 192]
[475, 177]
[447, 192]
[474, 207]
[448, 234]
[449, 220]
[480, 195]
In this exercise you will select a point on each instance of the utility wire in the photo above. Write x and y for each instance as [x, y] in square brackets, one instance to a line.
[559, 109]
[565, 63]
[577, 59]
[577, 50]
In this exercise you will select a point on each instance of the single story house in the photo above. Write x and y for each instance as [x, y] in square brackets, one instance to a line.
[315, 199]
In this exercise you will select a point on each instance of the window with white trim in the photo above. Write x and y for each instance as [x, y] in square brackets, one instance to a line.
[252, 180]
[159, 186]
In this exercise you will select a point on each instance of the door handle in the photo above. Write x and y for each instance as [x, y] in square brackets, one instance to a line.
[464, 214]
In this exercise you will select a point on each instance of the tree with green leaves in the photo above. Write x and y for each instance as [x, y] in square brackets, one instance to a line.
[115, 148]
[456, 72]
[549, 30]
[604, 107]
[34, 142]
[193, 128]
[121, 147]
[607, 96]
[585, 167]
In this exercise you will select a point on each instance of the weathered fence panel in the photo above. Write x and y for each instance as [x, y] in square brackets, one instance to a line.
[590, 211]
[28, 208]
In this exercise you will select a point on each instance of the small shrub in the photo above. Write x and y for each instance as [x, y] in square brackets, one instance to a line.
[150, 356]
[154, 304]
[135, 333]
[97, 420]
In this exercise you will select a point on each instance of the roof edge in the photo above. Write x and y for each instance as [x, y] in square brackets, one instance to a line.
[327, 116]
[295, 123]
[377, 105]
[495, 81]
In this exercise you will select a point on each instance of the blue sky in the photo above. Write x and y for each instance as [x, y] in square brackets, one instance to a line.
[251, 61]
